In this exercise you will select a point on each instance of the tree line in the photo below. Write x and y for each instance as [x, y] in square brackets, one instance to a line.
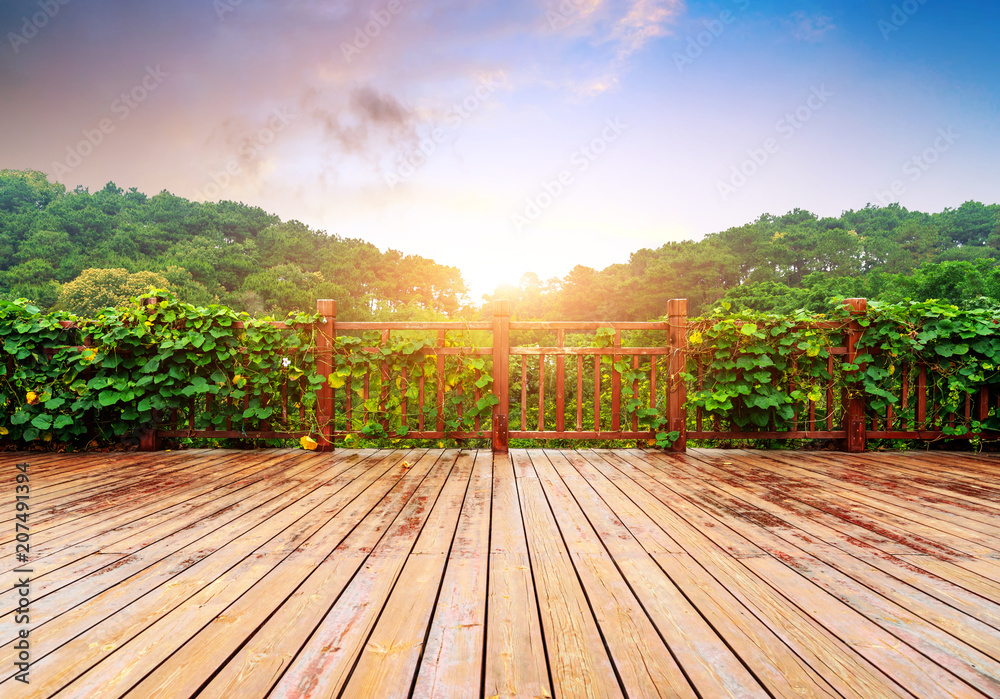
[82, 251]
[783, 263]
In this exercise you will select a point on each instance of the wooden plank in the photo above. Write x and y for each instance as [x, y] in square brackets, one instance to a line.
[267, 655]
[115, 533]
[135, 615]
[516, 665]
[621, 604]
[725, 556]
[575, 648]
[955, 641]
[935, 530]
[323, 665]
[165, 531]
[452, 661]
[782, 672]
[778, 501]
[387, 665]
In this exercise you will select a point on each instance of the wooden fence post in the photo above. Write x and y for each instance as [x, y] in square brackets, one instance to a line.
[501, 377]
[326, 333]
[676, 388]
[854, 416]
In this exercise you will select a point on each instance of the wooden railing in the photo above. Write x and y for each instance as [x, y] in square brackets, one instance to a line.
[554, 381]
[836, 415]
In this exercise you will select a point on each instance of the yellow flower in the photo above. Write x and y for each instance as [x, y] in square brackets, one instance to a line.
[47, 437]
[892, 369]
[89, 354]
[32, 398]
[308, 442]
[440, 445]
[3, 431]
[695, 338]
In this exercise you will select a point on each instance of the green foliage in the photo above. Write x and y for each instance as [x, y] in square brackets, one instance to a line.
[758, 371]
[96, 289]
[959, 349]
[385, 364]
[222, 252]
[146, 367]
[781, 264]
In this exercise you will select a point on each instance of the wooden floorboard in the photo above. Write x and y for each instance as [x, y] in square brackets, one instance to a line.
[542, 573]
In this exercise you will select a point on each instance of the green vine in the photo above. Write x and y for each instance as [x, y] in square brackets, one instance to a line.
[654, 418]
[146, 366]
[752, 371]
[379, 416]
[960, 350]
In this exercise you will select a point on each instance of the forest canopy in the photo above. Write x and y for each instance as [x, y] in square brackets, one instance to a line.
[78, 250]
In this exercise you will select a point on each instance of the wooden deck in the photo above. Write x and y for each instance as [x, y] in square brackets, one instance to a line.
[549, 573]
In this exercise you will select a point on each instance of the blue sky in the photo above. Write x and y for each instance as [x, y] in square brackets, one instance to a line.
[510, 137]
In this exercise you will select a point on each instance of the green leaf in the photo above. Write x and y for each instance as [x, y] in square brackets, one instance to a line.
[108, 397]
[62, 421]
[42, 422]
[748, 329]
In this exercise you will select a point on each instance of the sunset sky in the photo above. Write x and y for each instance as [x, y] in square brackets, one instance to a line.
[514, 136]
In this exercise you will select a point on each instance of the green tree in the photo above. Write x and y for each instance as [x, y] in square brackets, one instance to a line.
[96, 289]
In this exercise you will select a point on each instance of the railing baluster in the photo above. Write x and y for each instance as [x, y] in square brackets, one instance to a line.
[616, 387]
[829, 395]
[440, 382]
[635, 393]
[384, 386]
[524, 392]
[597, 393]
[560, 383]
[922, 397]
[365, 395]
[905, 399]
[420, 401]
[541, 393]
[402, 396]
[579, 393]
[475, 397]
